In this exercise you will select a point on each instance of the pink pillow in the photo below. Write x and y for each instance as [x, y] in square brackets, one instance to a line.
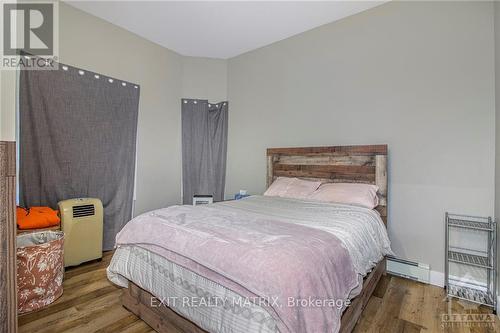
[292, 188]
[278, 187]
[364, 195]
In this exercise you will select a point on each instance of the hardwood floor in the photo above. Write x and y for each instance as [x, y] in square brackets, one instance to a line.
[91, 303]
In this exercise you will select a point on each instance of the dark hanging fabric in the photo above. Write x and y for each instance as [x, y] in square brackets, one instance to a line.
[77, 139]
[204, 148]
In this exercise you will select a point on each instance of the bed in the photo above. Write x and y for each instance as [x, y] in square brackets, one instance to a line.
[174, 292]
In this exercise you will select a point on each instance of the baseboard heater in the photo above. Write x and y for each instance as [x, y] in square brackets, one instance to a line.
[408, 269]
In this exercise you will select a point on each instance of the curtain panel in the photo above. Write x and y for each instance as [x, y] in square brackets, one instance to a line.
[78, 139]
[204, 148]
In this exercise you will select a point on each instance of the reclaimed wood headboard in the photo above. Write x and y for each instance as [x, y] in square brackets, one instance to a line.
[346, 164]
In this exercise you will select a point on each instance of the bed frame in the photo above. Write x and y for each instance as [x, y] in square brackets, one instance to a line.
[353, 164]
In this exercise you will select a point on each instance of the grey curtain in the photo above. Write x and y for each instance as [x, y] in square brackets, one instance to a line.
[204, 148]
[77, 139]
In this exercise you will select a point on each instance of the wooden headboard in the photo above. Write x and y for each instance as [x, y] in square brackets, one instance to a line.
[346, 164]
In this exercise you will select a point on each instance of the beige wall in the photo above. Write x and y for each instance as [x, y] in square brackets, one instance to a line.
[497, 124]
[418, 76]
[204, 78]
[7, 105]
[89, 42]
[164, 76]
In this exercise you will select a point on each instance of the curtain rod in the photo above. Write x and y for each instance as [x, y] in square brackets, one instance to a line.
[185, 101]
[97, 76]
[82, 72]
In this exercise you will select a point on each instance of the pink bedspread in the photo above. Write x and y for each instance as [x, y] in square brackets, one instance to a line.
[282, 263]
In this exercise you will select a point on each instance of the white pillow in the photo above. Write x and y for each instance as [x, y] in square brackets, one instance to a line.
[364, 195]
[292, 188]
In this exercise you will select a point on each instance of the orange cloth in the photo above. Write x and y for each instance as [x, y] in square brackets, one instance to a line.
[37, 217]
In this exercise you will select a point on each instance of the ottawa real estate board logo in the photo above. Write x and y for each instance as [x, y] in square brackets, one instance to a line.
[30, 35]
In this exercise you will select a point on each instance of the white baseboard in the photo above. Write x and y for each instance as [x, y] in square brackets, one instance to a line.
[436, 278]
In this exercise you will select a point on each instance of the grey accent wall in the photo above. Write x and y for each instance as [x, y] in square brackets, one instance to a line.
[418, 76]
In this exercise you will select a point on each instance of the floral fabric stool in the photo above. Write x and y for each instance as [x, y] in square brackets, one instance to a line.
[40, 269]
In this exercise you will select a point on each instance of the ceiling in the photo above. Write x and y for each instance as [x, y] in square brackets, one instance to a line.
[220, 29]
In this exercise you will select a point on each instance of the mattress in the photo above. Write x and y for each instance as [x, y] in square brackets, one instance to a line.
[184, 292]
[361, 231]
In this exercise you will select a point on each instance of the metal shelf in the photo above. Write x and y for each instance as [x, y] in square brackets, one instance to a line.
[472, 295]
[466, 288]
[454, 222]
[469, 259]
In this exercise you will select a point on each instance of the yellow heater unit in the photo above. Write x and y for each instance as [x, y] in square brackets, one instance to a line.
[81, 222]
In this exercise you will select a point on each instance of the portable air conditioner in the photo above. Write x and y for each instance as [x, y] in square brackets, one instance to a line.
[81, 222]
